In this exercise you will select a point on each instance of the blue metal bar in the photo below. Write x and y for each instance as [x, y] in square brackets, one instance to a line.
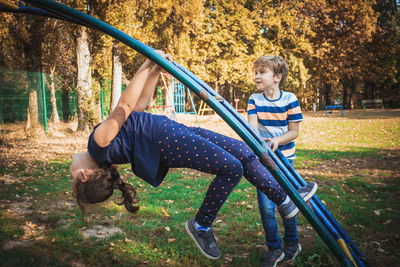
[321, 206]
[40, 12]
[303, 183]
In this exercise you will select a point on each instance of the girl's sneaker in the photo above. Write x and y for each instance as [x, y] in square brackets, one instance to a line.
[291, 251]
[289, 209]
[204, 240]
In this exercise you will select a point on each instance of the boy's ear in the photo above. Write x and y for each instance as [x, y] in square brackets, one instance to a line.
[278, 77]
[84, 176]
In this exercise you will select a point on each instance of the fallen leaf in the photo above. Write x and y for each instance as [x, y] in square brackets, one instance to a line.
[228, 258]
[164, 212]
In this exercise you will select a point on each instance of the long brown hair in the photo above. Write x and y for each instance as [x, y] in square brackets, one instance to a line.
[100, 186]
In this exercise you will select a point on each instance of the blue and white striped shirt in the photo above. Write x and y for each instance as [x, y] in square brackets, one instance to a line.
[274, 117]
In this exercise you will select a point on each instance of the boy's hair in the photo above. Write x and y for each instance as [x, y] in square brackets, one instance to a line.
[276, 64]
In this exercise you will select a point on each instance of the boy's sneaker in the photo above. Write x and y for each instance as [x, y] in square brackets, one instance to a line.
[289, 210]
[271, 258]
[204, 240]
[291, 251]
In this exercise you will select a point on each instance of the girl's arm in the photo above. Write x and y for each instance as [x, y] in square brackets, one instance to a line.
[135, 97]
[148, 88]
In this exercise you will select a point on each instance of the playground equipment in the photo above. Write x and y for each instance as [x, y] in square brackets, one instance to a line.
[336, 104]
[175, 98]
[240, 110]
[286, 177]
[372, 103]
[204, 108]
[163, 101]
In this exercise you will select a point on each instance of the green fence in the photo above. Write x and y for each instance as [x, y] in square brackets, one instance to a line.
[15, 87]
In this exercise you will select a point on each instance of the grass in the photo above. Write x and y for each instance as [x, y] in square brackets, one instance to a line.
[37, 208]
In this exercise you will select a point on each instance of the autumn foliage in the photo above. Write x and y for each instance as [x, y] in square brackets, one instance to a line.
[340, 49]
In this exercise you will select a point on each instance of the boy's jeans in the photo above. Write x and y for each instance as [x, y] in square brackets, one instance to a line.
[267, 211]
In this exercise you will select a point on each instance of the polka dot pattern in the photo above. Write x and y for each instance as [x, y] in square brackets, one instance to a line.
[229, 159]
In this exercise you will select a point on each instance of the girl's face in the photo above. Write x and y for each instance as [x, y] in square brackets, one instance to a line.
[79, 170]
[266, 79]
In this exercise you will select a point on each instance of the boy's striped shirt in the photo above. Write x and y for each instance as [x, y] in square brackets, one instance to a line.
[274, 117]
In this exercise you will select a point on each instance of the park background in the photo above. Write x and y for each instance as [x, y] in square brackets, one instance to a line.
[346, 50]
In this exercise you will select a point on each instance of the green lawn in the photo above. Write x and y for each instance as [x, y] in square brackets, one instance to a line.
[354, 161]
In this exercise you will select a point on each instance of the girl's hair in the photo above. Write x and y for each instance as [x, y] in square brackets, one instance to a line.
[276, 64]
[100, 186]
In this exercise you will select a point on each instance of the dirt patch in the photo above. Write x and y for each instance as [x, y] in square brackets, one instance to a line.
[100, 232]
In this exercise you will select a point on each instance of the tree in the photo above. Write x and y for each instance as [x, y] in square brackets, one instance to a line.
[342, 29]
[84, 84]
[381, 78]
[284, 30]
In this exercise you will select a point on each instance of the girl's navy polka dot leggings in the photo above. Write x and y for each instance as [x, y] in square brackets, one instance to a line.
[229, 159]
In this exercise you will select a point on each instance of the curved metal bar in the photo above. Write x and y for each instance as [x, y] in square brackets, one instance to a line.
[40, 12]
[322, 207]
[295, 178]
[220, 109]
[322, 213]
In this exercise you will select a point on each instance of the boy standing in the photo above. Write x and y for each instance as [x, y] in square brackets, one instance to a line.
[275, 115]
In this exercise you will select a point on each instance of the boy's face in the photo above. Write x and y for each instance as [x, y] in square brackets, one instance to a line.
[266, 79]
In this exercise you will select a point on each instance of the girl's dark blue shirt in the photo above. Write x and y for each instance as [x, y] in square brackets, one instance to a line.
[136, 143]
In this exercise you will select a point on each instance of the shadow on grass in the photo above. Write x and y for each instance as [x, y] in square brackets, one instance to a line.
[354, 157]
[357, 114]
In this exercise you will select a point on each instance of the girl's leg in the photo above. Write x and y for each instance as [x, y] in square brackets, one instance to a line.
[254, 171]
[182, 148]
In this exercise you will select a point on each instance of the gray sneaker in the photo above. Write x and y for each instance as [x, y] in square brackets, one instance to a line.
[307, 191]
[204, 240]
[291, 251]
[271, 258]
[289, 210]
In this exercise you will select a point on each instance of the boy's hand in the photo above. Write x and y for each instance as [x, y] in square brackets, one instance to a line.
[273, 143]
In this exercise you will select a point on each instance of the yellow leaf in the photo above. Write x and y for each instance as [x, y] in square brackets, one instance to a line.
[164, 212]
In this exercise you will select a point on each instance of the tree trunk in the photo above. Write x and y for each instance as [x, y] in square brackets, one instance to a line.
[54, 118]
[353, 86]
[65, 104]
[33, 53]
[84, 84]
[327, 94]
[344, 95]
[32, 111]
[116, 76]
[231, 94]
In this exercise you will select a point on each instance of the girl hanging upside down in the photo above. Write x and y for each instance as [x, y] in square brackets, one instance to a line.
[152, 144]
